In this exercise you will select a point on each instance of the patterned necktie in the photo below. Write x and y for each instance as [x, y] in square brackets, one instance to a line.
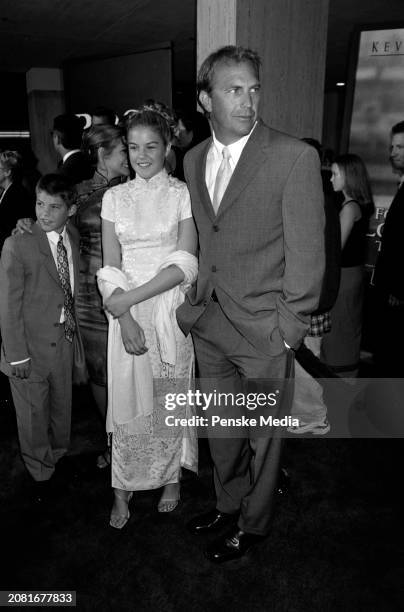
[64, 275]
[222, 179]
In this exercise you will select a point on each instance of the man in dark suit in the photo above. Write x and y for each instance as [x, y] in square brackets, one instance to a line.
[66, 134]
[258, 206]
[389, 275]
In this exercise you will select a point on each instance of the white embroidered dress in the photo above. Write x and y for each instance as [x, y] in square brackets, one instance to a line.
[146, 215]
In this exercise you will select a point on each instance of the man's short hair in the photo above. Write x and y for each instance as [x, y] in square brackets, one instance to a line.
[398, 128]
[58, 185]
[228, 54]
[70, 129]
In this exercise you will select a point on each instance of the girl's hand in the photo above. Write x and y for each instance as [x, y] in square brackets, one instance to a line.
[117, 304]
[133, 337]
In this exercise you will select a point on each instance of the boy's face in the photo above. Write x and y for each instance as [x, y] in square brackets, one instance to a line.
[52, 212]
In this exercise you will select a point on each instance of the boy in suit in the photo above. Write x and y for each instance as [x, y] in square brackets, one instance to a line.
[38, 274]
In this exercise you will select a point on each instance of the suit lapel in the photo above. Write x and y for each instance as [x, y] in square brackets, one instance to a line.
[251, 160]
[200, 182]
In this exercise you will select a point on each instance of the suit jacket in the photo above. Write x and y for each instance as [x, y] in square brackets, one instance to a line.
[16, 204]
[77, 167]
[389, 273]
[31, 299]
[263, 253]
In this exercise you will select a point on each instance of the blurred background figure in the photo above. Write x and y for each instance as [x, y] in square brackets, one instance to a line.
[193, 128]
[101, 115]
[66, 136]
[308, 401]
[15, 200]
[341, 347]
[104, 147]
[389, 276]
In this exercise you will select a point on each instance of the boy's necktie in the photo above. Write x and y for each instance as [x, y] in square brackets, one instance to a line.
[222, 179]
[64, 275]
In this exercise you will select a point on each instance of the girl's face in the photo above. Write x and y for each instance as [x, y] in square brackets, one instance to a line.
[337, 178]
[116, 162]
[147, 151]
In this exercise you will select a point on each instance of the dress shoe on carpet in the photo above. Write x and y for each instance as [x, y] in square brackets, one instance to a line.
[210, 522]
[232, 546]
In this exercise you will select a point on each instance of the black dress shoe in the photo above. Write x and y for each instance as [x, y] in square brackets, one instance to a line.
[232, 546]
[211, 521]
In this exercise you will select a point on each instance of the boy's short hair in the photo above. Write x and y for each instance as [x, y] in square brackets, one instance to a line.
[60, 185]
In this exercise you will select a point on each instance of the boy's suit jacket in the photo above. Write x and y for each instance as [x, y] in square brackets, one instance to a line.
[263, 253]
[31, 299]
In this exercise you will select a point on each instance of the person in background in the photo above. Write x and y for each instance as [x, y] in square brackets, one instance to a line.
[66, 136]
[340, 348]
[192, 129]
[15, 201]
[308, 401]
[101, 115]
[389, 274]
[107, 152]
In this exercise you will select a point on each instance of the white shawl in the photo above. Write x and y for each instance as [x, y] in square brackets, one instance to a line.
[165, 305]
[130, 377]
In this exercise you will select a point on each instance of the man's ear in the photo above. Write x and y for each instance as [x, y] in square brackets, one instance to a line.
[72, 210]
[205, 101]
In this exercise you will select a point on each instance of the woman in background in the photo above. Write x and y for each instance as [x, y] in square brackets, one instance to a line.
[341, 347]
[107, 152]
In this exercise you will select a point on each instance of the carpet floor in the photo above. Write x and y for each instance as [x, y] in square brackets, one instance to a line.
[336, 540]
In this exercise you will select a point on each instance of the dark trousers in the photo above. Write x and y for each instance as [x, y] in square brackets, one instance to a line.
[246, 460]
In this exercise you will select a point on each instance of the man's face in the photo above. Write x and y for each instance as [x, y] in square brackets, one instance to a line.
[397, 153]
[233, 100]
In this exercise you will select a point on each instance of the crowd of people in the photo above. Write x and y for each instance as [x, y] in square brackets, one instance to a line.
[233, 272]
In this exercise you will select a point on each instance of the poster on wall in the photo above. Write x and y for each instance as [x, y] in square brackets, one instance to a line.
[378, 104]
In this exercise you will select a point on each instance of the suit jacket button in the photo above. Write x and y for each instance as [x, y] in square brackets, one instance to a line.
[56, 324]
[53, 343]
[214, 269]
[215, 228]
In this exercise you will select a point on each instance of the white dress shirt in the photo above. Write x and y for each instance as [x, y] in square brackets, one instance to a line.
[69, 153]
[215, 157]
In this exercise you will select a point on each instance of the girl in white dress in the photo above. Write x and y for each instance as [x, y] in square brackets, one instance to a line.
[148, 234]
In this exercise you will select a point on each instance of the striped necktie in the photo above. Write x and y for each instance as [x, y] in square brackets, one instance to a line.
[64, 275]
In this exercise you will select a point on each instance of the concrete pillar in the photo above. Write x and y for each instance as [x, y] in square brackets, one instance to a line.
[45, 94]
[290, 36]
